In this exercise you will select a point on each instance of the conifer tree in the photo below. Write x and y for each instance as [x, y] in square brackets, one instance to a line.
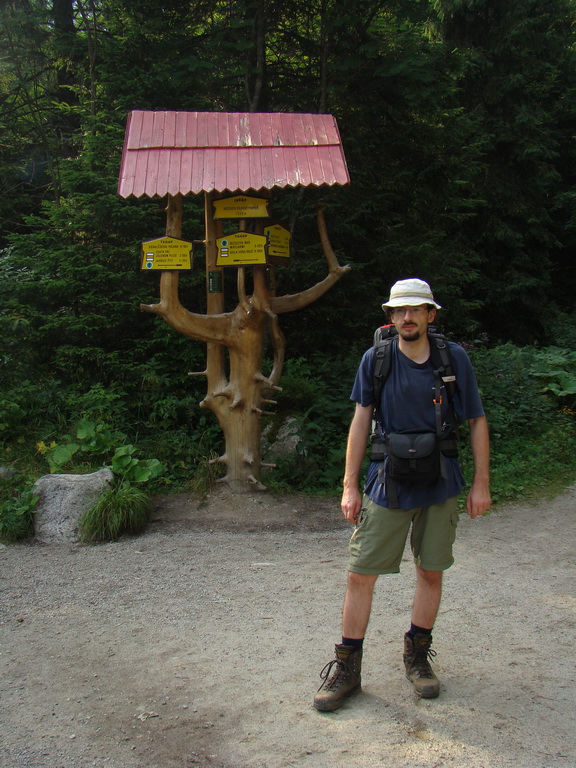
[516, 83]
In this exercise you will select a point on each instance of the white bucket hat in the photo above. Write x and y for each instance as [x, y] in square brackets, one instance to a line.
[410, 293]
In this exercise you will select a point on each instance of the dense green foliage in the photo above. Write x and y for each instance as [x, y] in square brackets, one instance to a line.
[457, 122]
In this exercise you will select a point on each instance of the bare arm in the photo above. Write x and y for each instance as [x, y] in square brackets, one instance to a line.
[479, 497]
[355, 450]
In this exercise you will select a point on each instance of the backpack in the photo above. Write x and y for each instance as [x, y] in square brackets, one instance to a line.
[384, 338]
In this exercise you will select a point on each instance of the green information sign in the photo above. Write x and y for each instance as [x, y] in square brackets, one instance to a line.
[215, 281]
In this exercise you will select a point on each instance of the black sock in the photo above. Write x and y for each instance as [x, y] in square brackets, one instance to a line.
[356, 642]
[414, 630]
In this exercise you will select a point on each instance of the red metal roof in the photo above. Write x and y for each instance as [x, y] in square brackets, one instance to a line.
[181, 152]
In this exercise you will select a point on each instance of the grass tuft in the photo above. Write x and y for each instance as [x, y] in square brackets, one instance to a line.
[122, 509]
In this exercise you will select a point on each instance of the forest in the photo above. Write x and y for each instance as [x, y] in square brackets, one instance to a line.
[458, 122]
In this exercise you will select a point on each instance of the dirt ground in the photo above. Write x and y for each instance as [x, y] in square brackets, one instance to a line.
[200, 643]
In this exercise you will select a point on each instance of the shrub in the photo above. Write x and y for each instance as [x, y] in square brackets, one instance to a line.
[17, 504]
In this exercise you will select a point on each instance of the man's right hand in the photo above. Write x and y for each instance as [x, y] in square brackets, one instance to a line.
[351, 504]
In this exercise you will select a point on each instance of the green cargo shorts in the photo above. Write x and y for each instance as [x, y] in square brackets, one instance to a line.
[379, 539]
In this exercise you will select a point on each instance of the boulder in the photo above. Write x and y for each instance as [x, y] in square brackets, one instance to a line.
[62, 499]
[283, 441]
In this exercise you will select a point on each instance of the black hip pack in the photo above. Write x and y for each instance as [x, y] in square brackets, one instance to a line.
[413, 457]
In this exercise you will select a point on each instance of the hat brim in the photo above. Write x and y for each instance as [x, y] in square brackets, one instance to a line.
[409, 301]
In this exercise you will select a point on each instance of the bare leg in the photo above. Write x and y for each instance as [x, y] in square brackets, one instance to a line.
[357, 604]
[427, 597]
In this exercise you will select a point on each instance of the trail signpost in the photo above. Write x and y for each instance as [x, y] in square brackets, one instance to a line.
[227, 157]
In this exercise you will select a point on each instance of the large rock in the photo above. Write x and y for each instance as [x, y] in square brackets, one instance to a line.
[61, 501]
[282, 442]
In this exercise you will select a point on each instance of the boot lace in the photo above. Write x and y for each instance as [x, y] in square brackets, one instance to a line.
[338, 678]
[420, 664]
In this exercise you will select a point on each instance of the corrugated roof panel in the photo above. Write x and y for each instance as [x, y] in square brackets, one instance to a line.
[157, 171]
[232, 173]
[174, 170]
[314, 167]
[197, 171]
[209, 182]
[182, 152]
[181, 130]
[244, 170]
[186, 168]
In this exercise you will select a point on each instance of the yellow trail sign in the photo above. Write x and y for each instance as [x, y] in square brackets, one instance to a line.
[241, 248]
[240, 207]
[166, 253]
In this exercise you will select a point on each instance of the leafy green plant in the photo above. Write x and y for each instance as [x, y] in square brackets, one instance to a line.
[512, 397]
[531, 430]
[556, 369]
[124, 508]
[17, 504]
[125, 464]
[94, 439]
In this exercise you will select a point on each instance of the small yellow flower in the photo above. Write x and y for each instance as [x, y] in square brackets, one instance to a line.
[42, 448]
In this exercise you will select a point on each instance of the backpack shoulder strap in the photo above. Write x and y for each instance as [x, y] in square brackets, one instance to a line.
[384, 337]
[442, 361]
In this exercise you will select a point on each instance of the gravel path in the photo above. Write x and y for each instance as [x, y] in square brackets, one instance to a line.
[200, 644]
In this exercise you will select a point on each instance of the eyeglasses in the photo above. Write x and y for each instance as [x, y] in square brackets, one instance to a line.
[401, 311]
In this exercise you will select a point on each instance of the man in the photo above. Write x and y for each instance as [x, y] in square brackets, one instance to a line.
[407, 404]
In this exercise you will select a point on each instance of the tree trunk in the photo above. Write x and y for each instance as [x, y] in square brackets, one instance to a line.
[238, 405]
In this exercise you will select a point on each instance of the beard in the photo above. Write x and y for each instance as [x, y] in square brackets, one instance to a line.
[413, 335]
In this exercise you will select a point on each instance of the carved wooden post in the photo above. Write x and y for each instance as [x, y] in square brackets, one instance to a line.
[238, 399]
[180, 151]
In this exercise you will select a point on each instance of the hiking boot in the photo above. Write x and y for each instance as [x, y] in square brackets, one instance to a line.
[341, 678]
[418, 669]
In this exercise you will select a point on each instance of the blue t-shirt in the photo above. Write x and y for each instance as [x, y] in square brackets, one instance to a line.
[407, 404]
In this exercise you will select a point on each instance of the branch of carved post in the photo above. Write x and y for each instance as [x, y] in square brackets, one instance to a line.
[207, 328]
[237, 401]
[169, 298]
[278, 345]
[294, 301]
[325, 240]
[157, 309]
[268, 382]
[256, 483]
[241, 283]
[289, 303]
[224, 392]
